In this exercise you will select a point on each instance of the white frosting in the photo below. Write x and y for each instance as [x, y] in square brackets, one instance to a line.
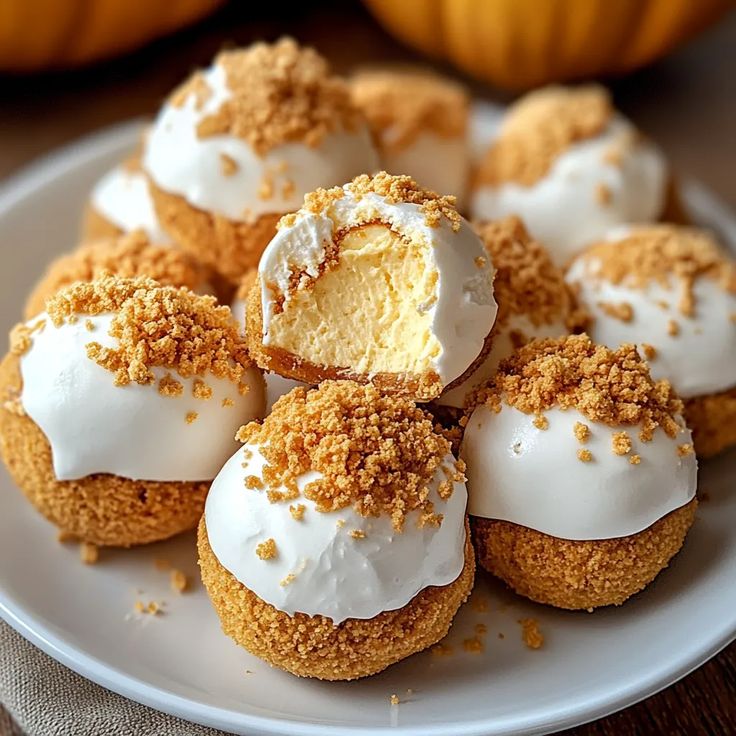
[464, 310]
[435, 162]
[700, 359]
[532, 477]
[562, 209]
[501, 348]
[122, 197]
[335, 575]
[181, 163]
[132, 431]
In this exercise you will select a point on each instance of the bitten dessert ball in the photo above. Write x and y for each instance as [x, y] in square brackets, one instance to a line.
[533, 300]
[581, 473]
[672, 291]
[120, 203]
[240, 144]
[335, 543]
[571, 167]
[125, 256]
[120, 404]
[419, 122]
[376, 281]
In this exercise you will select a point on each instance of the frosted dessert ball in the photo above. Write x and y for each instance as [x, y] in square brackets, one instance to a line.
[419, 122]
[120, 202]
[335, 543]
[126, 256]
[241, 143]
[378, 281]
[672, 291]
[120, 405]
[581, 473]
[533, 300]
[571, 167]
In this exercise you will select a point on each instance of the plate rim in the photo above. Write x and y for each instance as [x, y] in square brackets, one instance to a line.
[55, 164]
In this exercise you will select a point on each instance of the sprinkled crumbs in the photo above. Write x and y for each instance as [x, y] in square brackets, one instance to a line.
[622, 311]
[621, 443]
[297, 511]
[473, 645]
[581, 432]
[267, 550]
[88, 553]
[169, 386]
[178, 581]
[541, 422]
[191, 417]
[530, 633]
[609, 386]
[685, 449]
[673, 328]
[375, 453]
[357, 534]
[200, 390]
[635, 459]
[585, 456]
[394, 699]
[650, 352]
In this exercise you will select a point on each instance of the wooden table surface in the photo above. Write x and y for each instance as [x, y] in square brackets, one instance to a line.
[686, 102]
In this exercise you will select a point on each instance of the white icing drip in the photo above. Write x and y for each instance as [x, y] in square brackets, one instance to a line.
[532, 477]
[132, 431]
[181, 163]
[562, 209]
[335, 575]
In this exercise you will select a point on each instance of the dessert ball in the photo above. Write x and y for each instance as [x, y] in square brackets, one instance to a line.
[121, 255]
[419, 122]
[672, 291]
[335, 543]
[120, 203]
[571, 167]
[241, 143]
[581, 473]
[121, 403]
[376, 281]
[533, 300]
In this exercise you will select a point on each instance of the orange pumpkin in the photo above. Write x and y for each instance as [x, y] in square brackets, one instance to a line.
[40, 34]
[518, 44]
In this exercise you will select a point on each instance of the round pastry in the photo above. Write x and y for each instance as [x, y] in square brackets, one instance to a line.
[120, 405]
[581, 473]
[419, 122]
[126, 256]
[335, 543]
[671, 290]
[241, 143]
[376, 281]
[120, 202]
[571, 167]
[533, 300]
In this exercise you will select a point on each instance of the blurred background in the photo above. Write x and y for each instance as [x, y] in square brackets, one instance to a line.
[68, 67]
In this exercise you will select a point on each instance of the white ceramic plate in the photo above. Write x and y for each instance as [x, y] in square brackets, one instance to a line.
[180, 662]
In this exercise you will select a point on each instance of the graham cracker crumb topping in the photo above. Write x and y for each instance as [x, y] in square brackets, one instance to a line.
[280, 93]
[621, 443]
[539, 128]
[527, 282]
[530, 633]
[662, 253]
[374, 453]
[608, 386]
[21, 336]
[581, 432]
[585, 456]
[401, 105]
[267, 550]
[156, 326]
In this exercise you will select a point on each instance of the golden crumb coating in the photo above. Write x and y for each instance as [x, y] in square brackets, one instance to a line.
[312, 646]
[227, 246]
[126, 256]
[102, 509]
[712, 419]
[579, 574]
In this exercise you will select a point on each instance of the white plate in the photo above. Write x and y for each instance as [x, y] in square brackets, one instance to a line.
[591, 664]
